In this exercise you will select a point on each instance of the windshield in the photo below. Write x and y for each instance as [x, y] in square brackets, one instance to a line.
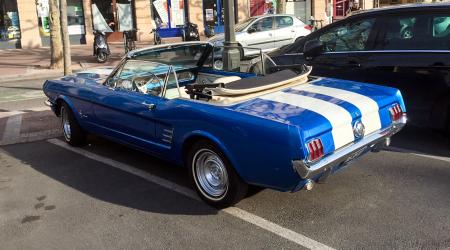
[241, 26]
[183, 55]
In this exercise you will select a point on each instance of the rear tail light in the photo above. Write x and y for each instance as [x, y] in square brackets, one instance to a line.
[315, 150]
[308, 27]
[396, 112]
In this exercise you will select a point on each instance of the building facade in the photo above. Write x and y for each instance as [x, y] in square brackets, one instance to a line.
[25, 23]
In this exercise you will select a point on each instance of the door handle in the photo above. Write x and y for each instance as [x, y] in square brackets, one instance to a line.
[150, 106]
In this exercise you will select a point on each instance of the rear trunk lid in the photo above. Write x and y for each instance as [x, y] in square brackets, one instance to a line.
[327, 109]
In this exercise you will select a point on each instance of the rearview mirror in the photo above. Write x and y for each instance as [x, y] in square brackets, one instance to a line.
[251, 30]
[312, 49]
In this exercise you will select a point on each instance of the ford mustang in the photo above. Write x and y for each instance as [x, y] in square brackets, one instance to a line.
[285, 131]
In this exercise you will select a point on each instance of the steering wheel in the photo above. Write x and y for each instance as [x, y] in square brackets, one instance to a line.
[147, 84]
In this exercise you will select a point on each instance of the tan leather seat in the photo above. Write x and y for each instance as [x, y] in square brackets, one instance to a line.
[226, 79]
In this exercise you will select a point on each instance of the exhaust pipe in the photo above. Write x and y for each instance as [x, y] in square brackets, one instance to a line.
[309, 185]
[381, 145]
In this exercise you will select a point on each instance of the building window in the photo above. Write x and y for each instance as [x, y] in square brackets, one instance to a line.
[75, 21]
[9, 21]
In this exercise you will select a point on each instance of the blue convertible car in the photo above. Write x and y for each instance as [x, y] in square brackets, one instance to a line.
[284, 130]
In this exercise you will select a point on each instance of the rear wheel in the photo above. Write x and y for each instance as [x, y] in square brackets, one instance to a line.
[73, 133]
[214, 178]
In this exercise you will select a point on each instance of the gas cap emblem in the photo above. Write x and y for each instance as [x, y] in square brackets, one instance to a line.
[359, 129]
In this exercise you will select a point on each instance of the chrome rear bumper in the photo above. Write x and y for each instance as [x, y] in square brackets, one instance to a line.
[343, 156]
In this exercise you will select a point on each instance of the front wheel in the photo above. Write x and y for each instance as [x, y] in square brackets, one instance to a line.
[102, 57]
[214, 178]
[73, 133]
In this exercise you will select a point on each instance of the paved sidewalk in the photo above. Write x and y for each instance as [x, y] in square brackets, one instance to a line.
[30, 63]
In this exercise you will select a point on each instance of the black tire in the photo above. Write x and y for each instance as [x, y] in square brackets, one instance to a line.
[157, 39]
[241, 52]
[73, 134]
[236, 188]
[102, 57]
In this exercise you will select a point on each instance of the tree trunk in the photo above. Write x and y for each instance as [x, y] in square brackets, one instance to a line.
[65, 38]
[56, 60]
[281, 6]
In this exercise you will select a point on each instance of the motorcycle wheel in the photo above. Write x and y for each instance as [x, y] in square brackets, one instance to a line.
[102, 57]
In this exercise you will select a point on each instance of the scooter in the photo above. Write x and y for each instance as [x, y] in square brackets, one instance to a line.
[190, 32]
[101, 47]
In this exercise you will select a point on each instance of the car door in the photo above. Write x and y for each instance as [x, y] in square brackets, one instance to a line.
[346, 49]
[123, 111]
[284, 32]
[260, 34]
[412, 53]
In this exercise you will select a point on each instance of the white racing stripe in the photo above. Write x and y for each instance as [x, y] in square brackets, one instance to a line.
[340, 118]
[234, 211]
[367, 106]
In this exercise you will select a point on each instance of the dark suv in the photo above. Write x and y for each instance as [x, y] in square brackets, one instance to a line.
[407, 47]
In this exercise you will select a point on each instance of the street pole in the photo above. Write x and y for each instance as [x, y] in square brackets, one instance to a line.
[231, 53]
[65, 38]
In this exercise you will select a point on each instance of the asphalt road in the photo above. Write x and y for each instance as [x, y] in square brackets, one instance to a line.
[106, 196]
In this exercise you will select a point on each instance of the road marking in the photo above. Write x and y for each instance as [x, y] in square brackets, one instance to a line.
[17, 112]
[234, 211]
[12, 128]
[416, 153]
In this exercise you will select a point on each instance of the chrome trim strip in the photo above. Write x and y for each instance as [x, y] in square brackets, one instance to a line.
[48, 103]
[370, 142]
[388, 51]
[377, 51]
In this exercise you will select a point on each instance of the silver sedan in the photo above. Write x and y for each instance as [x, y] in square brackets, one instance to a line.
[266, 32]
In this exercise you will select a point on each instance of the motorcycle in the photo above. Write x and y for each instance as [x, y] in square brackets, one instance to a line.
[101, 47]
[190, 32]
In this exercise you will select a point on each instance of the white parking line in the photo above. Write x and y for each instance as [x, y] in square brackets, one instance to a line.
[416, 153]
[234, 211]
[12, 128]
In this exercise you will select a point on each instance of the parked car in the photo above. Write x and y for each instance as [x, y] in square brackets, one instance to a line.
[406, 47]
[266, 32]
[283, 131]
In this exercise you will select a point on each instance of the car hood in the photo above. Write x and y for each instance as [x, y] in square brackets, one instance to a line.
[327, 107]
[94, 75]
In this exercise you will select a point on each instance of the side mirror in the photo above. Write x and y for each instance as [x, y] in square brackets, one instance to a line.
[312, 49]
[251, 30]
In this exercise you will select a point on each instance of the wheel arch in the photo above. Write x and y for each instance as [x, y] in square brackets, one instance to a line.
[196, 136]
[63, 99]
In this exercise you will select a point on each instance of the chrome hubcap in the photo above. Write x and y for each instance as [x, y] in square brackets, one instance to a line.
[211, 174]
[65, 123]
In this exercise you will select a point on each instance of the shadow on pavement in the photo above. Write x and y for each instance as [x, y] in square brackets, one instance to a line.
[106, 183]
[422, 140]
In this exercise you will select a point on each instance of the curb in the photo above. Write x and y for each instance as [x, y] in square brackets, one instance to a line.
[31, 76]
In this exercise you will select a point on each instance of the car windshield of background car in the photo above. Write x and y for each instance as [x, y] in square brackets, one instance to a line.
[242, 25]
[350, 37]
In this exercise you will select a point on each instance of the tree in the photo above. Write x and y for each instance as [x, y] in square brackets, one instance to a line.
[65, 38]
[281, 6]
[56, 60]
